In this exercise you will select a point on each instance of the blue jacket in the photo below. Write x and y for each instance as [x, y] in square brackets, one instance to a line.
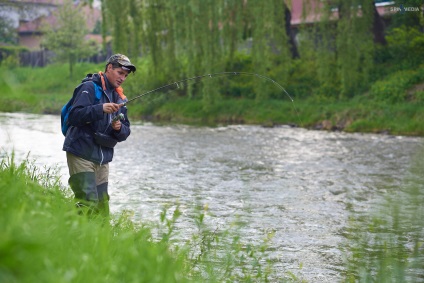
[86, 118]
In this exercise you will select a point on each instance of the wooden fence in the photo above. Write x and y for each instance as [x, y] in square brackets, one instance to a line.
[44, 57]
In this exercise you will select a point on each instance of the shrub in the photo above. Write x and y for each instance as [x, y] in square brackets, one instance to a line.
[394, 88]
[9, 55]
[405, 46]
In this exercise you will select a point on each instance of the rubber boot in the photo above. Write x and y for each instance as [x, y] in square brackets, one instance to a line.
[84, 187]
[103, 199]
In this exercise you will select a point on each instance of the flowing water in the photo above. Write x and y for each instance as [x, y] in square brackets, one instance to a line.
[301, 184]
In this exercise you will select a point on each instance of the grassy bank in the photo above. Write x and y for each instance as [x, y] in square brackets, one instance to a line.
[45, 90]
[44, 239]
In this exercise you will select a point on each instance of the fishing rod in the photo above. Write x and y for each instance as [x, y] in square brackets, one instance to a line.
[214, 75]
[177, 83]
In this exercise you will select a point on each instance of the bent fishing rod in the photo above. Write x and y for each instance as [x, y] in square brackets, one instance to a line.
[214, 75]
[197, 78]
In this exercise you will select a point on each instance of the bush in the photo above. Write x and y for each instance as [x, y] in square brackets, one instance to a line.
[9, 55]
[405, 46]
[394, 88]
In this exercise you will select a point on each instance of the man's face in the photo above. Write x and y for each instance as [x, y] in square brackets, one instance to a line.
[116, 76]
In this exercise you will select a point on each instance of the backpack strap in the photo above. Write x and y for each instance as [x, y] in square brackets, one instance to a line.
[98, 92]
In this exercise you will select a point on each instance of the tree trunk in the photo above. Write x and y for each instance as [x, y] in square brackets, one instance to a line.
[378, 28]
[290, 34]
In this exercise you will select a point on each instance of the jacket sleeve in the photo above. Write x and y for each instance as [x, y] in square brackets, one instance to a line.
[125, 131]
[83, 111]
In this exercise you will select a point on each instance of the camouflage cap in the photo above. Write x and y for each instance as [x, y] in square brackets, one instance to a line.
[123, 61]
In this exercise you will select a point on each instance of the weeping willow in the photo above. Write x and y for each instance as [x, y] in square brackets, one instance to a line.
[354, 45]
[191, 37]
[344, 46]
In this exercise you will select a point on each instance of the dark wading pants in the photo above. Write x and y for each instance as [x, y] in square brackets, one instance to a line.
[89, 183]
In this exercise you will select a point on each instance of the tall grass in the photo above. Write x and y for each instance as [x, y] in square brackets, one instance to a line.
[44, 239]
[386, 244]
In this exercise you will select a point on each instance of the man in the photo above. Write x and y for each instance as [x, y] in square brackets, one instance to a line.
[96, 124]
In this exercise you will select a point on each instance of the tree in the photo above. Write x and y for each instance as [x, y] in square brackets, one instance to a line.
[7, 32]
[66, 37]
[378, 27]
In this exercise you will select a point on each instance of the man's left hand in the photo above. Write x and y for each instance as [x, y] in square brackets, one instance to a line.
[116, 125]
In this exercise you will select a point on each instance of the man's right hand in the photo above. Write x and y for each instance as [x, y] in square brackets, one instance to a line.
[111, 107]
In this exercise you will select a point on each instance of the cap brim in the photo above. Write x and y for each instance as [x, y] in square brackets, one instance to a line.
[128, 68]
[131, 67]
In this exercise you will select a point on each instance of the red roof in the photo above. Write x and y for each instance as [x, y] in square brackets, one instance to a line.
[35, 25]
[92, 15]
[51, 2]
[312, 11]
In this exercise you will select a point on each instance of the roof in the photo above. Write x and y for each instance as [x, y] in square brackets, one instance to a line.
[92, 15]
[49, 2]
[312, 11]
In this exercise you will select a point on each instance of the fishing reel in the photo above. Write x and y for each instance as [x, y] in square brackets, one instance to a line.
[118, 117]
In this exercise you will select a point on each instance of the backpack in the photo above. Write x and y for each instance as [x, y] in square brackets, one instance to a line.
[66, 109]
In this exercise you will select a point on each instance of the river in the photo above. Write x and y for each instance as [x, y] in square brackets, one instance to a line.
[301, 184]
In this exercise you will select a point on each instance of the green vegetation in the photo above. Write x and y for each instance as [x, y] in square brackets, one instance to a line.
[349, 71]
[67, 37]
[340, 79]
[44, 239]
[385, 244]
[393, 104]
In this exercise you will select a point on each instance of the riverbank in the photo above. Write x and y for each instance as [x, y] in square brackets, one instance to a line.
[350, 116]
[44, 239]
[45, 90]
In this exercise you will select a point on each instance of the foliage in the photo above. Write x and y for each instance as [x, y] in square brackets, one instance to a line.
[338, 58]
[344, 46]
[8, 34]
[66, 37]
[405, 47]
[354, 45]
[394, 88]
[386, 244]
[199, 37]
[9, 55]
[43, 238]
[33, 90]
[409, 19]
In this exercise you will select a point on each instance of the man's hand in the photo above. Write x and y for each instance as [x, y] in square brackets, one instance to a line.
[111, 107]
[116, 125]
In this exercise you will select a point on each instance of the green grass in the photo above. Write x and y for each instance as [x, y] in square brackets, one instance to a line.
[386, 244]
[44, 239]
[39, 90]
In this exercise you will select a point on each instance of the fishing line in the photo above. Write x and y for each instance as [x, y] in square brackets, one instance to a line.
[214, 75]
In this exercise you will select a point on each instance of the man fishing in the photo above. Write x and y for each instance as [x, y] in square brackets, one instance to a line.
[97, 120]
